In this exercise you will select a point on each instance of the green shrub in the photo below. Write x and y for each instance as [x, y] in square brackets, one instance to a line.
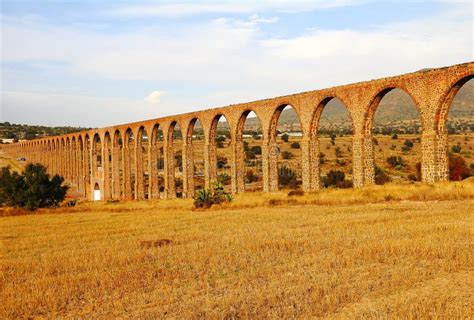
[257, 150]
[336, 178]
[32, 189]
[381, 176]
[287, 177]
[287, 155]
[205, 198]
[456, 148]
[295, 145]
[285, 137]
[395, 161]
[250, 176]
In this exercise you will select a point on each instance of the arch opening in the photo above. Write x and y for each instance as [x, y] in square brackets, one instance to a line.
[142, 161]
[394, 125]
[286, 132]
[129, 168]
[177, 143]
[220, 136]
[456, 128]
[196, 137]
[117, 166]
[157, 167]
[251, 134]
[332, 129]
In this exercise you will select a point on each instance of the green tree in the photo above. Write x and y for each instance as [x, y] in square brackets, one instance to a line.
[33, 189]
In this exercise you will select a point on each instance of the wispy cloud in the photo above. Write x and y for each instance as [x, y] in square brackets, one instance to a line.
[214, 62]
[180, 9]
[154, 98]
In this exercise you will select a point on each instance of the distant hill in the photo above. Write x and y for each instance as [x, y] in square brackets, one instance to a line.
[396, 106]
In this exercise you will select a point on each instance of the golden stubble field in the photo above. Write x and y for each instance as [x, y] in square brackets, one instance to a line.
[379, 252]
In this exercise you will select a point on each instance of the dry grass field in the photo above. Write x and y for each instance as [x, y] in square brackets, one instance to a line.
[380, 252]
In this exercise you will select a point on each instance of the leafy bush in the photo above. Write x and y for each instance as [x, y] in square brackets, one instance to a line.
[224, 178]
[395, 161]
[32, 189]
[250, 155]
[250, 176]
[458, 169]
[205, 198]
[295, 145]
[408, 143]
[287, 177]
[287, 155]
[394, 136]
[456, 148]
[381, 176]
[257, 150]
[285, 137]
[322, 158]
[336, 178]
[338, 152]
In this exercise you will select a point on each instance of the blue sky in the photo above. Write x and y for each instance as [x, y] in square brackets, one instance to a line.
[98, 63]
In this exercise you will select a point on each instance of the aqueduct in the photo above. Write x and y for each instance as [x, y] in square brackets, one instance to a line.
[123, 161]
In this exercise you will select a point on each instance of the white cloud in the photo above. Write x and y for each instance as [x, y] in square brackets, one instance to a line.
[181, 9]
[154, 97]
[226, 60]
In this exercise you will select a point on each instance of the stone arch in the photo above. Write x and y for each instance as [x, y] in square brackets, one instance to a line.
[441, 118]
[446, 100]
[375, 102]
[117, 165]
[74, 164]
[156, 163]
[194, 177]
[173, 162]
[142, 160]
[87, 165]
[248, 154]
[315, 161]
[129, 174]
[370, 172]
[107, 165]
[68, 158]
[218, 164]
[283, 171]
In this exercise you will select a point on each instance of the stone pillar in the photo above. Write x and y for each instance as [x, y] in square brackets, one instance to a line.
[169, 164]
[306, 166]
[139, 172]
[106, 170]
[270, 165]
[428, 154]
[369, 160]
[358, 161]
[67, 161]
[188, 168]
[153, 185]
[314, 165]
[210, 163]
[80, 168]
[238, 166]
[87, 171]
[126, 174]
[442, 157]
[116, 186]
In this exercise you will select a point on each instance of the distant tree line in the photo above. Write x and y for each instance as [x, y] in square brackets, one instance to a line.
[29, 132]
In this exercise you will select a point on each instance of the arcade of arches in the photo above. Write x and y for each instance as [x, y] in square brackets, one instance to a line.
[157, 158]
